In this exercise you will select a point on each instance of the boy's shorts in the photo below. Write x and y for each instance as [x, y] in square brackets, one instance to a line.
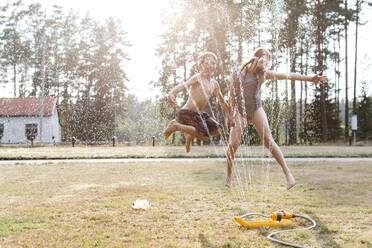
[203, 123]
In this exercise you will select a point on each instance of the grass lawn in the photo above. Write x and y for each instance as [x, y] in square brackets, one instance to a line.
[90, 205]
[63, 152]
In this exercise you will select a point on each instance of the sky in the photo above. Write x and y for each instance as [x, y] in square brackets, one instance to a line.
[142, 21]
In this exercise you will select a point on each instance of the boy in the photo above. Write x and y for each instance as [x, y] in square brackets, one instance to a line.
[190, 119]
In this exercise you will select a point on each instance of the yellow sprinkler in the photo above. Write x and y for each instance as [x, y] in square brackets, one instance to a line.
[277, 219]
[280, 218]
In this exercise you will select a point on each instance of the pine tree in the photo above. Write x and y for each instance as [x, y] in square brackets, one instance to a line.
[364, 113]
[15, 46]
[294, 9]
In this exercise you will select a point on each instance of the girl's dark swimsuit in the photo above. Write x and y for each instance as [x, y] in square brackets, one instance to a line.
[203, 123]
[247, 96]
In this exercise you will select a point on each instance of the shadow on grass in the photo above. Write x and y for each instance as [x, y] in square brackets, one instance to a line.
[211, 176]
[323, 235]
[204, 242]
[207, 244]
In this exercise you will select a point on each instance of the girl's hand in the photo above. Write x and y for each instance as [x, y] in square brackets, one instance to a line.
[172, 100]
[317, 78]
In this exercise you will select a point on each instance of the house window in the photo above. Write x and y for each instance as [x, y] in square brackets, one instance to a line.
[31, 131]
[1, 130]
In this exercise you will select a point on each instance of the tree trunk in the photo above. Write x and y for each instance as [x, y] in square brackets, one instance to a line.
[320, 58]
[286, 107]
[87, 108]
[356, 56]
[323, 103]
[346, 81]
[174, 108]
[240, 38]
[305, 100]
[15, 79]
[301, 92]
[293, 117]
[338, 77]
[336, 110]
[258, 27]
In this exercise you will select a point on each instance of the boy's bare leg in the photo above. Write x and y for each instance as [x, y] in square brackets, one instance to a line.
[175, 126]
[262, 126]
[170, 129]
[189, 138]
[234, 141]
[216, 132]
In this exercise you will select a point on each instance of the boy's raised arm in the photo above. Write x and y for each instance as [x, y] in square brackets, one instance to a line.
[180, 87]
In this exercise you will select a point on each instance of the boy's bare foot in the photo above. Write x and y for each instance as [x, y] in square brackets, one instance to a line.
[290, 181]
[170, 129]
[228, 181]
[188, 141]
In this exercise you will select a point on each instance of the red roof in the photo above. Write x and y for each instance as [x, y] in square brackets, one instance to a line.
[28, 106]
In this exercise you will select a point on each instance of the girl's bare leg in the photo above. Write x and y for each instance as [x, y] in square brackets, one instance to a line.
[262, 126]
[175, 126]
[234, 141]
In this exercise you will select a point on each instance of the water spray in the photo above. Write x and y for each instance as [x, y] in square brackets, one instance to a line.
[280, 218]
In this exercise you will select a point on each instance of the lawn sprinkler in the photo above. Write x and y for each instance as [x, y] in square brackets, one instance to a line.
[277, 219]
[280, 218]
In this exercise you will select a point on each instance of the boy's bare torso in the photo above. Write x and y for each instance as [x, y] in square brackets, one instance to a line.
[200, 93]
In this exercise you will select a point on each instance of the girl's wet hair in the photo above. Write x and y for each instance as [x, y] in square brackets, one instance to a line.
[204, 55]
[257, 55]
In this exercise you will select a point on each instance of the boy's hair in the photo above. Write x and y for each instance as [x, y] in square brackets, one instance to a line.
[203, 55]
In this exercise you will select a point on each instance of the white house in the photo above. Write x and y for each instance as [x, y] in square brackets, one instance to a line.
[20, 121]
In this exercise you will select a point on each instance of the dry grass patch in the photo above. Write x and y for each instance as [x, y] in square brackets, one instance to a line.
[90, 205]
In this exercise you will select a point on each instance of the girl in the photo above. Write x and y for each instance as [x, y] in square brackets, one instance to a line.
[246, 106]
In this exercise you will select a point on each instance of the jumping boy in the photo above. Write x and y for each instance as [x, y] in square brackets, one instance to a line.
[190, 119]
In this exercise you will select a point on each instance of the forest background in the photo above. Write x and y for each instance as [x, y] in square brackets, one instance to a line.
[85, 67]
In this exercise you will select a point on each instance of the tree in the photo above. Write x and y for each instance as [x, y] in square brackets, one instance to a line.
[346, 25]
[100, 69]
[141, 123]
[15, 51]
[364, 113]
[294, 9]
[326, 13]
[358, 4]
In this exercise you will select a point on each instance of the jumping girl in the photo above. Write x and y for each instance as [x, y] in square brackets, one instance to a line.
[246, 105]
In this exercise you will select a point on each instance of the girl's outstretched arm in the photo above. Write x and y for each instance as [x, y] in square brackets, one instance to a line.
[317, 78]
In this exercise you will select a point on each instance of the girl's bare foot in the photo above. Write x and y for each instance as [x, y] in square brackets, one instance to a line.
[228, 181]
[170, 129]
[290, 181]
